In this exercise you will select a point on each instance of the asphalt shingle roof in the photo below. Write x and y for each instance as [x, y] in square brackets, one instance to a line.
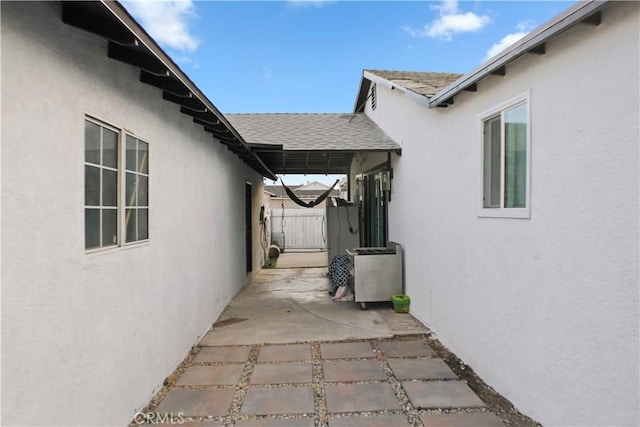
[422, 83]
[313, 132]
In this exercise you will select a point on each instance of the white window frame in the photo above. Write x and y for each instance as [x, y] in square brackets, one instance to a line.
[121, 186]
[499, 110]
[124, 202]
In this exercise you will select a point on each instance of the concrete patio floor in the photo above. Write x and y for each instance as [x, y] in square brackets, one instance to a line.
[284, 354]
[293, 305]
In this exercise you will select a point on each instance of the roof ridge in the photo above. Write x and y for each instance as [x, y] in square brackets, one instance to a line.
[373, 70]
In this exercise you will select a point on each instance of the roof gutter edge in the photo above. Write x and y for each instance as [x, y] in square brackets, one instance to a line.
[569, 18]
[129, 22]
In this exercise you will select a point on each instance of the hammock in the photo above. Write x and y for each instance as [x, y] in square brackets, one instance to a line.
[311, 204]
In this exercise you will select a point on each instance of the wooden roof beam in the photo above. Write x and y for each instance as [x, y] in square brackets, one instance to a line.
[91, 18]
[539, 49]
[134, 55]
[165, 82]
[593, 19]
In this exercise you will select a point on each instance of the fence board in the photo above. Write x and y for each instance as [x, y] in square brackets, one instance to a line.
[303, 228]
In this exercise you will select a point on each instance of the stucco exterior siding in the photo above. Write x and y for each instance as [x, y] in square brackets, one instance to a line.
[544, 309]
[88, 338]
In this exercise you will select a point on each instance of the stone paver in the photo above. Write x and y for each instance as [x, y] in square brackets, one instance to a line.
[197, 402]
[360, 397]
[284, 400]
[352, 370]
[287, 373]
[358, 391]
[480, 419]
[223, 354]
[377, 421]
[282, 353]
[429, 369]
[441, 394]
[271, 422]
[405, 348]
[346, 350]
[211, 375]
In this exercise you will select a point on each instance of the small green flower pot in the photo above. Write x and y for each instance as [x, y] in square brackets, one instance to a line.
[401, 303]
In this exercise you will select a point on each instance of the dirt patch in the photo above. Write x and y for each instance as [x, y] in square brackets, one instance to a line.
[495, 402]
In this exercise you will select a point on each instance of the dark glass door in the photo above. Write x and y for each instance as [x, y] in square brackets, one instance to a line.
[249, 239]
[373, 211]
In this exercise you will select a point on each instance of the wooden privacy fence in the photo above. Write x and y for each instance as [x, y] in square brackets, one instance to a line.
[303, 228]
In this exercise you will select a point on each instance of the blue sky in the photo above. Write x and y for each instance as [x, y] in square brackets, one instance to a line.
[308, 56]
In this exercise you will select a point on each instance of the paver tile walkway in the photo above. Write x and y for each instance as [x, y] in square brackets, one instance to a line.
[282, 373]
[421, 369]
[379, 382]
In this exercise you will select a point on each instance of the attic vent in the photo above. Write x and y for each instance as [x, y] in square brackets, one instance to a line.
[373, 96]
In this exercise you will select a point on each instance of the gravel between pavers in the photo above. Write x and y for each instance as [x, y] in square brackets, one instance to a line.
[495, 403]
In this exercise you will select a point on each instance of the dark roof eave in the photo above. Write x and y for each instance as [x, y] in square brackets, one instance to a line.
[140, 36]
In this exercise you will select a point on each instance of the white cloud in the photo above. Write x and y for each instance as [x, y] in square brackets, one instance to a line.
[186, 60]
[166, 21]
[506, 41]
[446, 7]
[523, 28]
[451, 21]
[526, 26]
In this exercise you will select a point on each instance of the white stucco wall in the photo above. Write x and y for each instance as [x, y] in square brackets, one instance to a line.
[88, 339]
[544, 309]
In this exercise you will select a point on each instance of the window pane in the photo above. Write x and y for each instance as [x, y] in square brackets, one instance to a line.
[491, 167]
[130, 221]
[143, 190]
[143, 224]
[131, 190]
[109, 227]
[91, 186]
[515, 161]
[131, 153]
[109, 188]
[91, 142]
[91, 228]
[143, 157]
[109, 148]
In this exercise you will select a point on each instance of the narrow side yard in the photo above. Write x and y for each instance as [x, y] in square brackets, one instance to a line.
[284, 354]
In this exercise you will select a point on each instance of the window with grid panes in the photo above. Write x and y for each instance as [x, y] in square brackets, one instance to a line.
[137, 190]
[116, 168]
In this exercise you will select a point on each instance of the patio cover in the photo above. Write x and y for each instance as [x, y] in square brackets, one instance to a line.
[311, 143]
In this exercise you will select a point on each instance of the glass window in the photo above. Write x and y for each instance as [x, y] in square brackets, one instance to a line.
[137, 190]
[492, 155]
[108, 186]
[92, 228]
[100, 185]
[515, 157]
[91, 143]
[505, 160]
